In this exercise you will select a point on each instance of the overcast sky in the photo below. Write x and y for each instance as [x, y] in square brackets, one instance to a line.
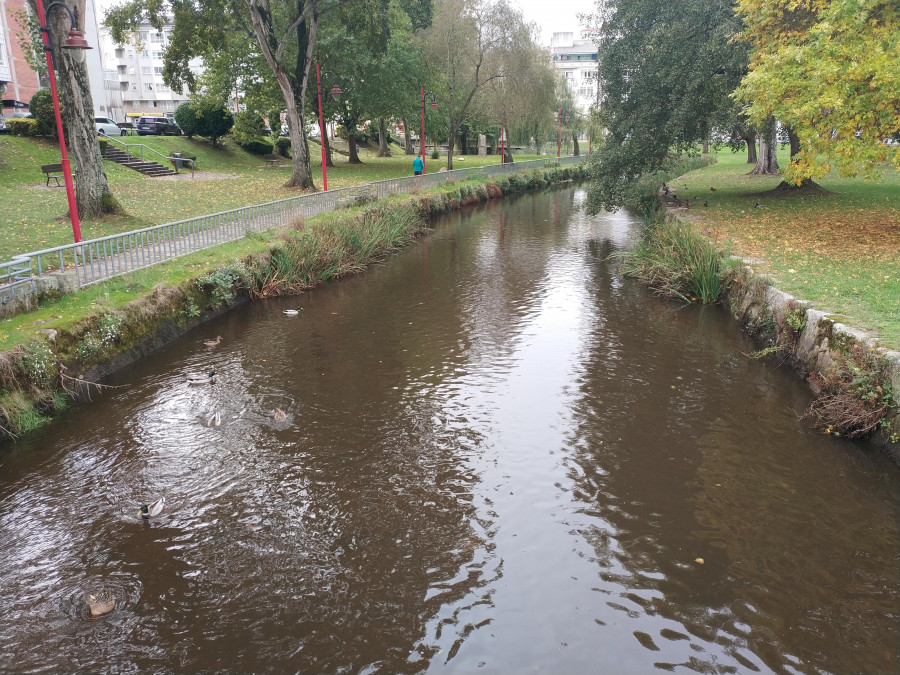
[554, 16]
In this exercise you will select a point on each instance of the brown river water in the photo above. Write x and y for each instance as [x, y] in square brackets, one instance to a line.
[499, 457]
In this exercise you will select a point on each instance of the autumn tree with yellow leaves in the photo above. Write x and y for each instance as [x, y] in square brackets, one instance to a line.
[829, 70]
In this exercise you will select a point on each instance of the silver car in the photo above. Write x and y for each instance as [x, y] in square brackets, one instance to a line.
[106, 127]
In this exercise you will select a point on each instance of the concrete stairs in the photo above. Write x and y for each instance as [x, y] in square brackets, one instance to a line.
[151, 169]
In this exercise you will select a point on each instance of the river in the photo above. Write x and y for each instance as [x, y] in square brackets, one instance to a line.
[499, 457]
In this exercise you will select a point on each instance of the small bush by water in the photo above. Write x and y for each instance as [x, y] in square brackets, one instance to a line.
[678, 262]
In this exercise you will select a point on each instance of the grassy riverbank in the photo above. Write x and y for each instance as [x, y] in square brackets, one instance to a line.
[33, 215]
[839, 250]
[102, 322]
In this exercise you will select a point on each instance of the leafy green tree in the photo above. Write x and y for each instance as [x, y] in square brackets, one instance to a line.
[248, 126]
[471, 46]
[667, 71]
[828, 70]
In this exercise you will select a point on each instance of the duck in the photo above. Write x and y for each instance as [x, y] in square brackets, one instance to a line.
[101, 603]
[209, 378]
[147, 511]
[214, 420]
[213, 343]
[757, 205]
[279, 415]
[292, 312]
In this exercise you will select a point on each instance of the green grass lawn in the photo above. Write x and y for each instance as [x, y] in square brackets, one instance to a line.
[33, 216]
[840, 250]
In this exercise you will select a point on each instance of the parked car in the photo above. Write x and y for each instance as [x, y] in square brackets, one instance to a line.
[13, 115]
[107, 127]
[157, 126]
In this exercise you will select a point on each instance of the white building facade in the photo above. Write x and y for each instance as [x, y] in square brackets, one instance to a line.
[138, 72]
[576, 61]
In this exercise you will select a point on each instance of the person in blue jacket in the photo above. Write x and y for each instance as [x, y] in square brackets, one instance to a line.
[418, 165]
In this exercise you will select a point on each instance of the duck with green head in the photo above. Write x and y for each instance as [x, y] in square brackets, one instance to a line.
[209, 378]
[148, 511]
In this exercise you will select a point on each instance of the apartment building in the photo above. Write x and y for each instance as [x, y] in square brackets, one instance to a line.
[576, 61]
[138, 68]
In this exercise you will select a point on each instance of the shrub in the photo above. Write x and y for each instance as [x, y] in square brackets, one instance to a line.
[41, 109]
[22, 126]
[435, 154]
[186, 118]
[257, 147]
[204, 118]
[283, 147]
[248, 126]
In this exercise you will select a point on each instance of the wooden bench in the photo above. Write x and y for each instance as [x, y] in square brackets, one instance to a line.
[55, 172]
[127, 128]
[272, 160]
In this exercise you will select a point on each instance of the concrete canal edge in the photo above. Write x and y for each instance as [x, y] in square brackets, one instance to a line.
[810, 340]
[66, 360]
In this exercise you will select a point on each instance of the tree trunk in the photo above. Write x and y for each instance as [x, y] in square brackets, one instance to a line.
[450, 146]
[383, 149]
[794, 140]
[92, 194]
[293, 91]
[705, 150]
[351, 145]
[751, 146]
[575, 151]
[327, 143]
[766, 163]
[407, 138]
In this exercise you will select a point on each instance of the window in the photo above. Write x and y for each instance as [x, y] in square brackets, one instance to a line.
[157, 70]
[157, 55]
[161, 88]
[145, 70]
[148, 87]
[156, 37]
[168, 105]
[144, 35]
[130, 53]
[134, 86]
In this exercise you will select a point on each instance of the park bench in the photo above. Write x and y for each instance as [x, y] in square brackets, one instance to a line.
[55, 172]
[272, 160]
[127, 128]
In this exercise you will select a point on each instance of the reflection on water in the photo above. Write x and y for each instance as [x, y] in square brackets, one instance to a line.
[498, 456]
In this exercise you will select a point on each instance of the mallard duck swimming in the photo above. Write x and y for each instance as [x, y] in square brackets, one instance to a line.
[147, 511]
[214, 420]
[292, 312]
[209, 378]
[213, 343]
[279, 415]
[101, 603]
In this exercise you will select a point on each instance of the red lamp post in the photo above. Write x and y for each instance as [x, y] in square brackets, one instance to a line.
[433, 105]
[335, 91]
[76, 42]
[568, 117]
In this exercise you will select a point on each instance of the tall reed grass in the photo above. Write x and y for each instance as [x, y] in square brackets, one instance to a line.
[340, 244]
[678, 262]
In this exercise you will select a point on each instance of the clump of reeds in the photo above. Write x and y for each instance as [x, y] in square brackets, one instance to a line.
[678, 262]
[342, 244]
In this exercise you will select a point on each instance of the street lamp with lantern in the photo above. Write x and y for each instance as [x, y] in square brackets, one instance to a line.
[433, 105]
[335, 91]
[76, 42]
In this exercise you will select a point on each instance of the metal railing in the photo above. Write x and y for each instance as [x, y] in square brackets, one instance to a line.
[141, 147]
[100, 259]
